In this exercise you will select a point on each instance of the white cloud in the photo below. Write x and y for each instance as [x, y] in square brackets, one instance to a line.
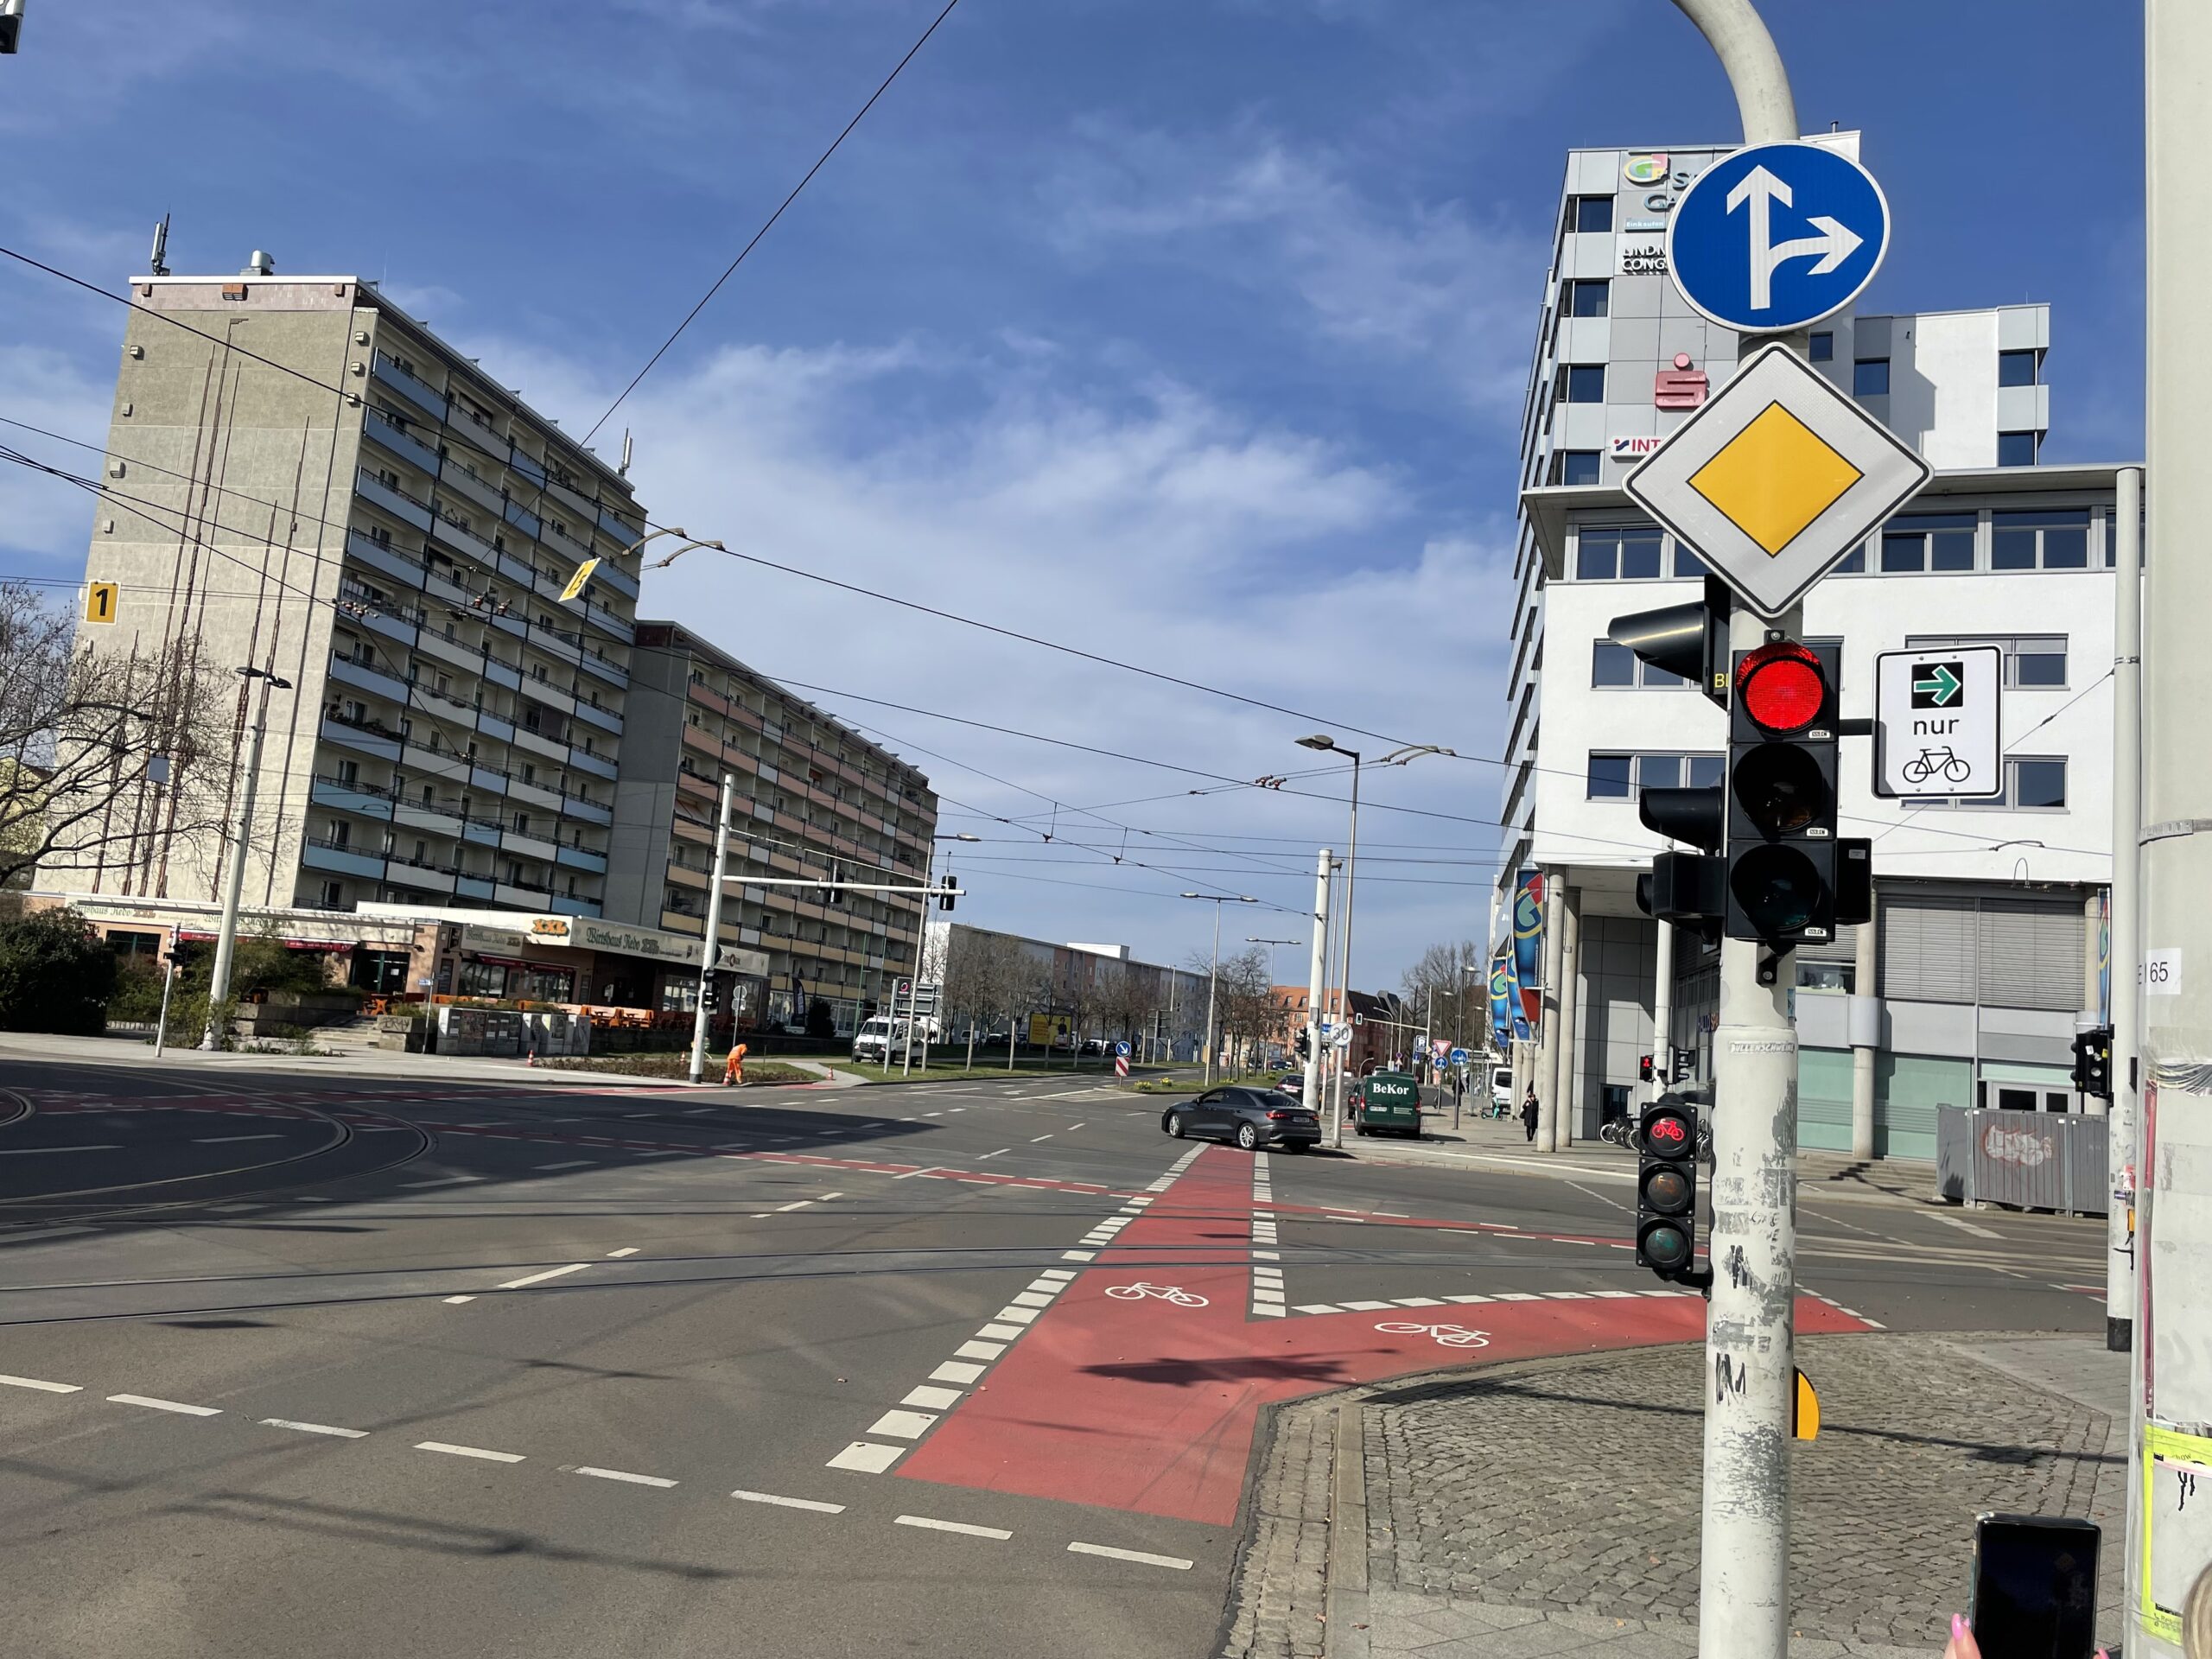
[1433, 285]
[1149, 523]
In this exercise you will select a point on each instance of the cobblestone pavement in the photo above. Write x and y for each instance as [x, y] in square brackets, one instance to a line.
[1560, 1499]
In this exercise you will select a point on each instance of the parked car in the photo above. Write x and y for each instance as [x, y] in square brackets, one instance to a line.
[883, 1035]
[1251, 1117]
[1501, 1087]
[1293, 1083]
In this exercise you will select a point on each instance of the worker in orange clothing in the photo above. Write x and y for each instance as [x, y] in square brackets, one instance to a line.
[733, 1068]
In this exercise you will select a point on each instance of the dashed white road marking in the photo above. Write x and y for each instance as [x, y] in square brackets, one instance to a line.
[951, 1526]
[796, 1203]
[539, 1278]
[217, 1139]
[453, 1451]
[815, 1505]
[455, 1301]
[26, 1151]
[622, 1474]
[317, 1428]
[43, 1387]
[444, 1181]
[627, 1249]
[574, 1163]
[869, 1459]
[1034, 1139]
[934, 1399]
[1965, 1225]
[981, 1156]
[152, 1404]
[1136, 1555]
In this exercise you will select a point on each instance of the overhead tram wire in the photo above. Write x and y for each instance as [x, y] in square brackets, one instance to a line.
[730, 269]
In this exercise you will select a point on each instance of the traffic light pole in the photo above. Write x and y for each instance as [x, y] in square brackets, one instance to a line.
[699, 1016]
[1310, 1085]
[2126, 937]
[1749, 1372]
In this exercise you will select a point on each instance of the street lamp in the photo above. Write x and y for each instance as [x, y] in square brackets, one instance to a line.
[219, 983]
[921, 932]
[1213, 974]
[1272, 975]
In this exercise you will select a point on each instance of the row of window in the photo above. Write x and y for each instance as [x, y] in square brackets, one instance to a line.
[2031, 662]
[1911, 544]
[2032, 782]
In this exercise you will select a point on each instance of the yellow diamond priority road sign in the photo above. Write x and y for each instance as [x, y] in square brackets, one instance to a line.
[1777, 479]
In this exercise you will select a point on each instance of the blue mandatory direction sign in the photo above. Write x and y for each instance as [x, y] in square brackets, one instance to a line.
[1777, 236]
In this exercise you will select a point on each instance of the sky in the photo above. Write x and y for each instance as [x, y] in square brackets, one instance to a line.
[1188, 333]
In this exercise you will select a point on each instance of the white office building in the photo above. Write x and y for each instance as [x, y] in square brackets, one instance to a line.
[1984, 950]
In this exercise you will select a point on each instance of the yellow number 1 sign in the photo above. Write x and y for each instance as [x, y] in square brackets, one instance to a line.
[100, 601]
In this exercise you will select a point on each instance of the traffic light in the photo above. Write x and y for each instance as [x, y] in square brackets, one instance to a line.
[1305, 1042]
[1783, 860]
[11, 24]
[1689, 641]
[2093, 1062]
[1643, 1068]
[711, 989]
[833, 893]
[951, 893]
[1666, 1189]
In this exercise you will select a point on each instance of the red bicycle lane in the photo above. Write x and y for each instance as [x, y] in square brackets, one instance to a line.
[1148, 1400]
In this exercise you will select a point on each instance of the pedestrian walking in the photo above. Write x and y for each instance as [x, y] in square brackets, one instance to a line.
[1529, 1114]
[733, 1068]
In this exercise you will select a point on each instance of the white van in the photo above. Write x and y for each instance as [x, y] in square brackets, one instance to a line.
[883, 1033]
[1501, 1088]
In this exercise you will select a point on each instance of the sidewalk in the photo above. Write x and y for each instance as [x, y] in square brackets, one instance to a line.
[382, 1065]
[1552, 1506]
[1503, 1143]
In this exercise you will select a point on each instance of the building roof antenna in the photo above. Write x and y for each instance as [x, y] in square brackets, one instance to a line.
[623, 471]
[154, 261]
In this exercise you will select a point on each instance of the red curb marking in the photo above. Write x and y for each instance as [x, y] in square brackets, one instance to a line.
[1144, 1406]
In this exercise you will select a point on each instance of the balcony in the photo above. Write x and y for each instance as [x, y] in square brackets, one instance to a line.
[463, 541]
[502, 673]
[393, 500]
[348, 672]
[429, 878]
[512, 895]
[473, 887]
[341, 859]
[538, 744]
[604, 668]
[496, 726]
[363, 736]
[619, 579]
[573, 905]
[363, 799]
[412, 450]
[582, 858]
[528, 468]
[598, 766]
[493, 780]
[518, 570]
[533, 794]
[574, 806]
[458, 478]
[442, 820]
[484, 832]
[522, 518]
[606, 719]
[424, 396]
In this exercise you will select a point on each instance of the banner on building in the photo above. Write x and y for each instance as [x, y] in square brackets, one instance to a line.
[1501, 998]
[1528, 952]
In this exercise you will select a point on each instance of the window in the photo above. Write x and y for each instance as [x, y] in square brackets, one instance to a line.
[1617, 665]
[1582, 382]
[1870, 377]
[2016, 448]
[2031, 784]
[1855, 562]
[340, 832]
[2017, 368]
[1620, 776]
[1576, 467]
[1687, 563]
[2032, 662]
[1587, 297]
[1929, 541]
[348, 772]
[1623, 555]
[1821, 348]
[2039, 541]
[1592, 214]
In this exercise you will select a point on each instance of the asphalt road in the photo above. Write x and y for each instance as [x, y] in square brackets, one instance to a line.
[292, 1369]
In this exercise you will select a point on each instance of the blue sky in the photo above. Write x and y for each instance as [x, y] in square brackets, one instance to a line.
[1189, 331]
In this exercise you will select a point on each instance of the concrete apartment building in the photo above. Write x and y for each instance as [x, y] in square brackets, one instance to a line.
[308, 481]
[1072, 993]
[813, 798]
[1984, 947]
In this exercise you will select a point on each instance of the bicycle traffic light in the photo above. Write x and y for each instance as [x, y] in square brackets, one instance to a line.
[1666, 1189]
[1782, 856]
[2093, 1062]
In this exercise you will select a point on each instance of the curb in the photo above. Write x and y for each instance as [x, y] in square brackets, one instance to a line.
[1347, 1635]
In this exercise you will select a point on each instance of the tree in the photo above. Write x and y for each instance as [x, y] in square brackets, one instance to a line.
[821, 1021]
[81, 730]
[1457, 975]
[56, 974]
[1249, 1014]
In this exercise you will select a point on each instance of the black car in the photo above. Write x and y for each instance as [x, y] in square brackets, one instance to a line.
[1251, 1117]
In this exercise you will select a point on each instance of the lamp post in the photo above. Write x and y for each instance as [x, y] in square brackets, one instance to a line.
[1213, 974]
[219, 983]
[921, 932]
[1398, 757]
[1271, 944]
[708, 976]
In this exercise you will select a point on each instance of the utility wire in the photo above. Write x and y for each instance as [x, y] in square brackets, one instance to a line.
[730, 269]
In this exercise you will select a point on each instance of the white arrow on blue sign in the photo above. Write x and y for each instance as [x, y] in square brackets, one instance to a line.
[1777, 236]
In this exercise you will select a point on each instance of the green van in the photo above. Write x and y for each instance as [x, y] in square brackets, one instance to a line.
[1388, 1102]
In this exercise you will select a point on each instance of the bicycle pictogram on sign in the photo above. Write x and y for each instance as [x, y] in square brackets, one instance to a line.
[1928, 762]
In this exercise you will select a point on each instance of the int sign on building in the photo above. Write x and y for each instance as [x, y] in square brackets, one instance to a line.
[1936, 725]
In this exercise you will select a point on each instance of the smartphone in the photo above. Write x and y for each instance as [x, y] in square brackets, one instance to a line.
[2034, 1587]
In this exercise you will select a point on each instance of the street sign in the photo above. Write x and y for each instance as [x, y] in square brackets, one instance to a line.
[1121, 1061]
[100, 601]
[1123, 1049]
[576, 583]
[1777, 236]
[1936, 725]
[1458, 1057]
[1340, 1038]
[1776, 479]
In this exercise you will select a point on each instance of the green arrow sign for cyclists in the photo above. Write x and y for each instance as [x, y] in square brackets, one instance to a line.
[1937, 723]
[1941, 688]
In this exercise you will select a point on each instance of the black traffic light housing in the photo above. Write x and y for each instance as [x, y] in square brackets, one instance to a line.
[2093, 1062]
[1304, 1042]
[1690, 641]
[712, 990]
[1666, 1191]
[1786, 870]
[1643, 1068]
[832, 892]
[945, 899]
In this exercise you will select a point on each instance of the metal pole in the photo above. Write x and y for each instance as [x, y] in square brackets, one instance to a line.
[2126, 951]
[914, 996]
[1743, 1562]
[1213, 974]
[1351, 882]
[1547, 1038]
[1570, 1017]
[714, 932]
[168, 982]
[1663, 1010]
[1864, 1010]
[1316, 986]
[219, 983]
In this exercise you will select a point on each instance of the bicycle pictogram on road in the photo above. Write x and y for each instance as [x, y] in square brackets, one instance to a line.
[1173, 1294]
[1450, 1336]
